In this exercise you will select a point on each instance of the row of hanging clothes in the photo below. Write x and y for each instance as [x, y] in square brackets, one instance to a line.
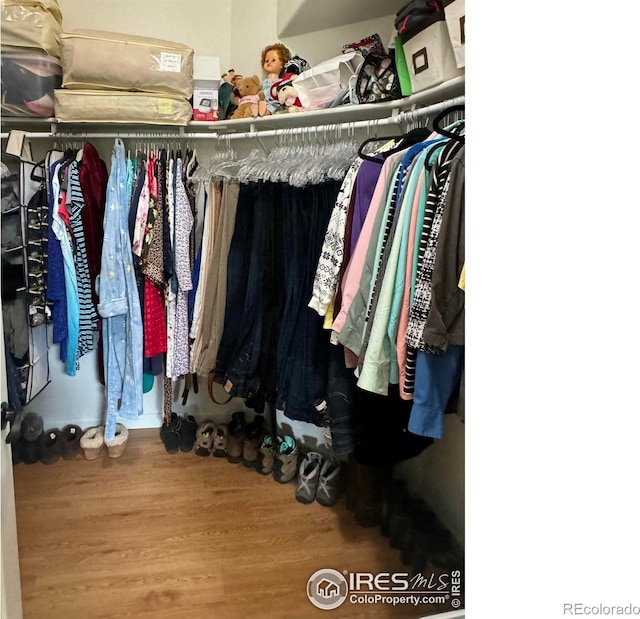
[269, 275]
[327, 270]
[117, 249]
[390, 278]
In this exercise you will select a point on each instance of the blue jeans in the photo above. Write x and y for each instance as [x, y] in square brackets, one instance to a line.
[303, 346]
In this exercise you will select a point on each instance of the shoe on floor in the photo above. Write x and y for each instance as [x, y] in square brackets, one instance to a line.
[308, 477]
[116, 446]
[32, 427]
[266, 455]
[329, 483]
[235, 437]
[188, 429]
[50, 446]
[204, 438]
[31, 451]
[285, 466]
[170, 434]
[70, 441]
[92, 442]
[220, 441]
[253, 436]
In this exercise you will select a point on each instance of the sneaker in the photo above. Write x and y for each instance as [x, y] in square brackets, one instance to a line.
[170, 434]
[329, 485]
[285, 466]
[308, 477]
[188, 429]
[50, 446]
[204, 438]
[253, 436]
[220, 441]
[266, 455]
[235, 437]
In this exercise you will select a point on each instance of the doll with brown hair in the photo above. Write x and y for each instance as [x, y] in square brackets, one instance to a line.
[274, 58]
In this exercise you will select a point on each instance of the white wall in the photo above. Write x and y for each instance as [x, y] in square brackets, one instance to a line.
[201, 24]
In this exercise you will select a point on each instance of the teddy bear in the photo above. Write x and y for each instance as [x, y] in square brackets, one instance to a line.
[250, 93]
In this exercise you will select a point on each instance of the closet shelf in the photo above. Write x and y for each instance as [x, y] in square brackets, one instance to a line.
[50, 127]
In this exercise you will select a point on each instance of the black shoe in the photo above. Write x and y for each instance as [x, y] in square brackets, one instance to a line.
[70, 439]
[188, 429]
[50, 446]
[30, 452]
[31, 427]
[170, 434]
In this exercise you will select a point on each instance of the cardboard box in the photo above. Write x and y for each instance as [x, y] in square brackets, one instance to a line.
[206, 81]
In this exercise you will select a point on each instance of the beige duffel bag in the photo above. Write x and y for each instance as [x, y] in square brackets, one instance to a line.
[80, 106]
[100, 60]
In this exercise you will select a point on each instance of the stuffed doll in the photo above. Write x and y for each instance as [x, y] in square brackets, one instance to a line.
[250, 96]
[274, 59]
[285, 92]
[288, 98]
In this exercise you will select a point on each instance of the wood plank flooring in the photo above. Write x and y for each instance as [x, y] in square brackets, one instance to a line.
[154, 536]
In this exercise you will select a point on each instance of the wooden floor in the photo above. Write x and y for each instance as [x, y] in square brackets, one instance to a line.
[152, 535]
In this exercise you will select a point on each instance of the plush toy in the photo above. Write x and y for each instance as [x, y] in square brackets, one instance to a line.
[250, 95]
[286, 94]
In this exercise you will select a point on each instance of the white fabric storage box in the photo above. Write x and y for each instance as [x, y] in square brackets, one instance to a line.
[31, 25]
[29, 78]
[121, 107]
[455, 16]
[429, 54]
[100, 60]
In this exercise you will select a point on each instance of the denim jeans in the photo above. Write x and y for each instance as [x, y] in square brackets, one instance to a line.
[237, 278]
[243, 361]
[303, 346]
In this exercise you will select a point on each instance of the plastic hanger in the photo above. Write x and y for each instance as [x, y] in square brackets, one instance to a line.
[458, 137]
[404, 141]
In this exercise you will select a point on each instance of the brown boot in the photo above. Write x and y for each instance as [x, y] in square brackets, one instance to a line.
[253, 435]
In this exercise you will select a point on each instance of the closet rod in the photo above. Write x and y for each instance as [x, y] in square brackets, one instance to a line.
[399, 118]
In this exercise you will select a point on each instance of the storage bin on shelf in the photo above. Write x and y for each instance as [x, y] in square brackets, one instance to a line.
[30, 24]
[121, 107]
[29, 79]
[424, 50]
[101, 60]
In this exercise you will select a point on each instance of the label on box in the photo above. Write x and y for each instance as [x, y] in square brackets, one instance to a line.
[205, 104]
[170, 62]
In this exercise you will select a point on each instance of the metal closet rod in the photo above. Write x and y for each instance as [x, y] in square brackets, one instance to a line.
[401, 117]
